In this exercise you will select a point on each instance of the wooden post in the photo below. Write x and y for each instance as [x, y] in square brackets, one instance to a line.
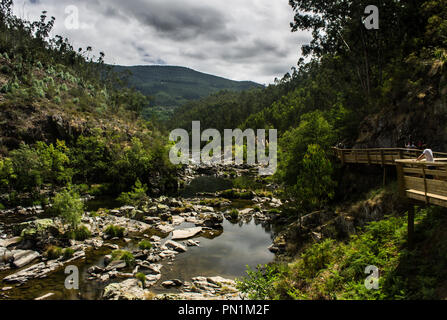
[411, 214]
[384, 176]
[400, 180]
[425, 184]
[381, 155]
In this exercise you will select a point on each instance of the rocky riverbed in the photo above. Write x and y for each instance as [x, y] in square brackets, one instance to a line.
[172, 225]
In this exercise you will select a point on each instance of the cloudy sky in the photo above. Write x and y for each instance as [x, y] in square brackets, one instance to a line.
[236, 39]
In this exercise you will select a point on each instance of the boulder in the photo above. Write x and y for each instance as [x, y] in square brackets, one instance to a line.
[172, 283]
[127, 290]
[210, 220]
[186, 233]
[175, 246]
[24, 257]
[10, 242]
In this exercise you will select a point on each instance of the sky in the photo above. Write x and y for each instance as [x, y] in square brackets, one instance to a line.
[235, 39]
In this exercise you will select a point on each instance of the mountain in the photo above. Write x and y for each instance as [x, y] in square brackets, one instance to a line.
[172, 86]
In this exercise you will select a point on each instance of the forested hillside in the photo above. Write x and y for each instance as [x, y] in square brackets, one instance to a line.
[170, 87]
[68, 120]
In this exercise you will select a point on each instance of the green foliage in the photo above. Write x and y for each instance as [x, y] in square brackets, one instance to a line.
[114, 231]
[135, 197]
[259, 283]
[68, 253]
[314, 185]
[53, 252]
[172, 87]
[142, 278]
[234, 214]
[145, 245]
[125, 256]
[313, 129]
[68, 206]
[82, 233]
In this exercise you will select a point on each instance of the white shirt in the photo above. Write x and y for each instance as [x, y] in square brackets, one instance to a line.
[429, 155]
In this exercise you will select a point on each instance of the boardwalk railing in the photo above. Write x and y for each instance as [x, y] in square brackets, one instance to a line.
[381, 156]
[423, 181]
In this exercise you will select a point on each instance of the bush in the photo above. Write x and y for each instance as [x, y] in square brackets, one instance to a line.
[53, 252]
[145, 245]
[141, 277]
[135, 197]
[234, 214]
[259, 283]
[82, 233]
[69, 207]
[125, 256]
[2, 207]
[114, 231]
[68, 253]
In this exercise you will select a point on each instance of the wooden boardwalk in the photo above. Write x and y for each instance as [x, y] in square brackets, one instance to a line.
[417, 180]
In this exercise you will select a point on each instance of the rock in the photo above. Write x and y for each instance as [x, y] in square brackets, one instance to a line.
[175, 246]
[246, 211]
[10, 242]
[95, 270]
[210, 220]
[116, 265]
[192, 243]
[112, 246]
[6, 288]
[176, 220]
[24, 257]
[33, 229]
[186, 233]
[107, 259]
[172, 283]
[40, 270]
[164, 228]
[46, 296]
[219, 281]
[153, 258]
[97, 243]
[126, 290]
[168, 254]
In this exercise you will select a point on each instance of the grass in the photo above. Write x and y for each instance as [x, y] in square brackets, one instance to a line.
[114, 231]
[125, 256]
[336, 270]
[145, 245]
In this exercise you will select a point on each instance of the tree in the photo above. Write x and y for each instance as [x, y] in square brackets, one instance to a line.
[313, 129]
[314, 186]
[68, 205]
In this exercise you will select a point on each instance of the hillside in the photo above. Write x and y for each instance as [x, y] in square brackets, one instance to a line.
[172, 86]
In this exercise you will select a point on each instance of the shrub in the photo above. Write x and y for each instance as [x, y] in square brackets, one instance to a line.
[69, 207]
[68, 253]
[136, 196]
[125, 256]
[234, 214]
[258, 284]
[141, 277]
[82, 233]
[53, 252]
[2, 207]
[145, 245]
[114, 231]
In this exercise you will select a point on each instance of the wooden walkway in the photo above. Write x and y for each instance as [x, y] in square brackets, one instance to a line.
[417, 180]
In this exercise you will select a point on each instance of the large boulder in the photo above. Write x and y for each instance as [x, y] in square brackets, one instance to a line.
[129, 289]
[210, 220]
[186, 233]
[33, 230]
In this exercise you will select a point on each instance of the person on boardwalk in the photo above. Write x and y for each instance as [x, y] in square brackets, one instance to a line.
[428, 155]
